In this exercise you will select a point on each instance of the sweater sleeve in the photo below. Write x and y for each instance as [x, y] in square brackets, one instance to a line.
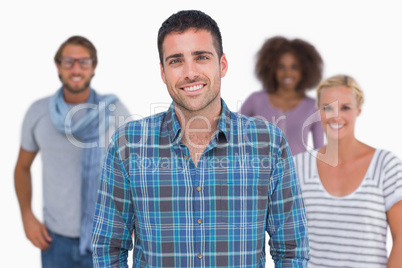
[316, 127]
[318, 135]
[248, 106]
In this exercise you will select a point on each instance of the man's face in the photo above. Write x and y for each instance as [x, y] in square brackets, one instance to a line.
[192, 70]
[75, 78]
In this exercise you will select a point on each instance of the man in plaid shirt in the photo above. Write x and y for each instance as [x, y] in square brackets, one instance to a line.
[198, 184]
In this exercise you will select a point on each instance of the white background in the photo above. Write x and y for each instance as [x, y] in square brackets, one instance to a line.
[359, 38]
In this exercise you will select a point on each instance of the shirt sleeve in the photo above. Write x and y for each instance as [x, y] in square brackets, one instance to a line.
[392, 184]
[118, 117]
[121, 113]
[28, 140]
[114, 213]
[286, 221]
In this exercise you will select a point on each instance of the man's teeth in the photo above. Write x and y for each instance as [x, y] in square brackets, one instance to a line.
[288, 80]
[335, 126]
[193, 88]
[76, 79]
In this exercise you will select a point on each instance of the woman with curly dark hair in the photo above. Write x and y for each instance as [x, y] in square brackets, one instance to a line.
[287, 69]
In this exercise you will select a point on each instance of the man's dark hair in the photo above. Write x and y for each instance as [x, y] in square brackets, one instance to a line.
[186, 19]
[78, 41]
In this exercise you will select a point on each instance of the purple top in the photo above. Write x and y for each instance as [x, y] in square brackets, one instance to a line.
[295, 124]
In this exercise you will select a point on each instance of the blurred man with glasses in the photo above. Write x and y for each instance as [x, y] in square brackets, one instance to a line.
[71, 130]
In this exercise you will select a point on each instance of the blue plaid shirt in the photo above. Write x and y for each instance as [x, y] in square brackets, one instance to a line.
[214, 214]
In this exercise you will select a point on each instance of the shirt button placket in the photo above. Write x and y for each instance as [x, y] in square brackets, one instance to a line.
[198, 213]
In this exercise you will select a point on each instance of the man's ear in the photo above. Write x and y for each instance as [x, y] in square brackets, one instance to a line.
[162, 73]
[223, 65]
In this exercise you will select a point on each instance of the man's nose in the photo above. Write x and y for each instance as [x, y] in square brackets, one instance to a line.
[76, 66]
[190, 70]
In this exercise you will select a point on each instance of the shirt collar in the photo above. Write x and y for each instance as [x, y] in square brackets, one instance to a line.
[173, 125]
[223, 128]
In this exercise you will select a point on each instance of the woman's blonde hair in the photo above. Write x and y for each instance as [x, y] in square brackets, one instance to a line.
[338, 81]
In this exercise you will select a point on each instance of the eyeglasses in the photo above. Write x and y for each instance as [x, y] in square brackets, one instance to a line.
[68, 63]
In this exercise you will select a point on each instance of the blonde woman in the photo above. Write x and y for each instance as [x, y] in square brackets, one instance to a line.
[352, 191]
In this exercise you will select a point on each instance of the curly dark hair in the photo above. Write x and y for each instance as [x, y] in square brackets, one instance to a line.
[311, 63]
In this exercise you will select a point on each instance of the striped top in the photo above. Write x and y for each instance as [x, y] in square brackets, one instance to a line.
[214, 214]
[350, 231]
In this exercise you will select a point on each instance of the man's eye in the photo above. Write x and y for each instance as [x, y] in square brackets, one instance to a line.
[327, 108]
[84, 61]
[174, 61]
[345, 108]
[202, 57]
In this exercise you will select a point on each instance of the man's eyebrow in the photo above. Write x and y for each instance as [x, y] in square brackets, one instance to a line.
[178, 55]
[196, 53]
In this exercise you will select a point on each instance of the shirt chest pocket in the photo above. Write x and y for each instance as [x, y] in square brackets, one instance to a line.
[242, 204]
[157, 206]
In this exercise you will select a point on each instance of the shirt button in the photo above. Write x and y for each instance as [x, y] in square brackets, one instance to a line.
[198, 189]
[199, 221]
[186, 157]
[199, 256]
